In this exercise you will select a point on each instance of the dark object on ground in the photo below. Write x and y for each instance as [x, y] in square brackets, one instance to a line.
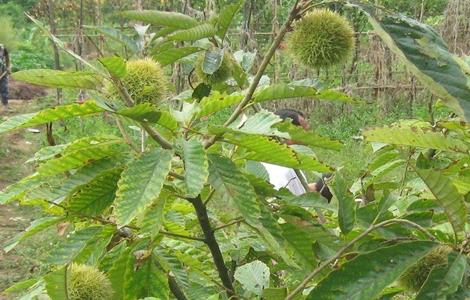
[25, 91]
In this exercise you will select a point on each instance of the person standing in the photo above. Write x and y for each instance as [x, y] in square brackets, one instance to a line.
[5, 71]
[282, 177]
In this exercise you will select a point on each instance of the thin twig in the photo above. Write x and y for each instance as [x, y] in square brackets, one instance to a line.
[129, 102]
[237, 221]
[182, 236]
[124, 134]
[175, 289]
[104, 221]
[402, 184]
[209, 197]
[176, 175]
[338, 254]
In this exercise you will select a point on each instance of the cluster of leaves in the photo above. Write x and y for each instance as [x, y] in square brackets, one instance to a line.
[191, 215]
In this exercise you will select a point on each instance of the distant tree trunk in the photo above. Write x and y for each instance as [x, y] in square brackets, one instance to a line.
[99, 23]
[138, 4]
[53, 28]
[57, 66]
[275, 30]
[247, 11]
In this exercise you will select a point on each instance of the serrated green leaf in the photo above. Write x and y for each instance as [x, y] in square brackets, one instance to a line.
[73, 244]
[50, 115]
[308, 138]
[81, 177]
[283, 91]
[347, 206]
[415, 137]
[115, 65]
[118, 274]
[46, 153]
[116, 35]
[446, 196]
[148, 281]
[173, 265]
[195, 165]
[169, 56]
[230, 183]
[162, 33]
[212, 60]
[163, 18]
[148, 113]
[22, 285]
[56, 284]
[239, 74]
[253, 276]
[80, 153]
[271, 233]
[301, 240]
[443, 280]
[260, 123]
[226, 15]
[153, 218]
[141, 183]
[193, 34]
[17, 189]
[216, 102]
[257, 169]
[59, 79]
[96, 247]
[36, 226]
[368, 274]
[94, 197]
[426, 55]
[266, 149]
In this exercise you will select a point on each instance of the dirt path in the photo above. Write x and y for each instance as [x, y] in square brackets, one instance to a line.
[15, 149]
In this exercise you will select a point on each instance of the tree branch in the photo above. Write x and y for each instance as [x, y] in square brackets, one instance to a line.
[262, 68]
[214, 248]
[338, 254]
[175, 289]
[182, 236]
[129, 102]
[237, 221]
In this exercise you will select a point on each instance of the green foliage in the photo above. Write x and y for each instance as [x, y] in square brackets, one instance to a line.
[183, 195]
[222, 72]
[417, 274]
[427, 56]
[321, 39]
[8, 35]
[56, 78]
[381, 267]
[87, 282]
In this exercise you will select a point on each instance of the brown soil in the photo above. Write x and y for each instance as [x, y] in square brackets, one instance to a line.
[15, 149]
[25, 91]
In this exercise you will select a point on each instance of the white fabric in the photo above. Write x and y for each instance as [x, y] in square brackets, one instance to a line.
[282, 177]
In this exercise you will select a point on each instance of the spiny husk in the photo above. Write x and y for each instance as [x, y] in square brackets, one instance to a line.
[88, 283]
[321, 39]
[417, 274]
[144, 81]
